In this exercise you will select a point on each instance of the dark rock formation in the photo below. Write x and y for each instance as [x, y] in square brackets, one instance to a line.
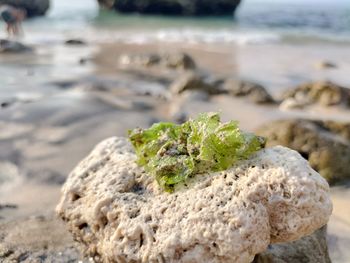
[255, 92]
[75, 42]
[9, 46]
[326, 145]
[7, 206]
[173, 7]
[33, 7]
[193, 81]
[323, 93]
[178, 61]
[310, 249]
[165, 60]
[324, 64]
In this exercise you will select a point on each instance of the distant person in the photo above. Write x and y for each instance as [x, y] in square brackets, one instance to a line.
[13, 18]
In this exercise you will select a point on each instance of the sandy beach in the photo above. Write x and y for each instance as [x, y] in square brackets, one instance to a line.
[49, 125]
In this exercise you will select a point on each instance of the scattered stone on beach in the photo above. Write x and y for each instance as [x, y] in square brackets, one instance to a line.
[310, 249]
[10, 46]
[255, 92]
[84, 61]
[179, 61]
[144, 60]
[32, 7]
[194, 81]
[64, 84]
[173, 7]
[325, 65]
[166, 60]
[75, 42]
[325, 144]
[118, 212]
[8, 206]
[7, 103]
[20, 98]
[324, 93]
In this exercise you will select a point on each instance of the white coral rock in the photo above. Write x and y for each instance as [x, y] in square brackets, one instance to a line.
[119, 213]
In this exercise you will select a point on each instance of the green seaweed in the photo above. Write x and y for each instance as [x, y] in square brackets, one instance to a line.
[173, 153]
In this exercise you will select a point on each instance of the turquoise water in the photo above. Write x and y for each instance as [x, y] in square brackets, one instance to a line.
[256, 22]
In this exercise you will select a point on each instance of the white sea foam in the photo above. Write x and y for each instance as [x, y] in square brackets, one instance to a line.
[207, 36]
[191, 36]
[146, 36]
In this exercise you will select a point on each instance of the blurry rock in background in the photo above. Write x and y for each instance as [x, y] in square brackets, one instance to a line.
[325, 144]
[165, 60]
[254, 91]
[32, 7]
[189, 77]
[311, 249]
[194, 81]
[173, 7]
[324, 93]
[325, 64]
[75, 42]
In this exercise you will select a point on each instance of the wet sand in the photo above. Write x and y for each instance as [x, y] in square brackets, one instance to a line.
[65, 108]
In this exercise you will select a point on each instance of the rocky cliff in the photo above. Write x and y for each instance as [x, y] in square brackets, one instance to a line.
[173, 7]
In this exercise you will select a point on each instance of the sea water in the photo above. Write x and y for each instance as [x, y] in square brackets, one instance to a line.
[255, 22]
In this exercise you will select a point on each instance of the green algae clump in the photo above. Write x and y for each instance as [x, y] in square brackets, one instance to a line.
[173, 153]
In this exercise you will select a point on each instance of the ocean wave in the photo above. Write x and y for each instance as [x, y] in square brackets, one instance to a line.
[191, 36]
[141, 36]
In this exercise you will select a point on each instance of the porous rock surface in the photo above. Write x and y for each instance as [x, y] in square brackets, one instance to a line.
[119, 214]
